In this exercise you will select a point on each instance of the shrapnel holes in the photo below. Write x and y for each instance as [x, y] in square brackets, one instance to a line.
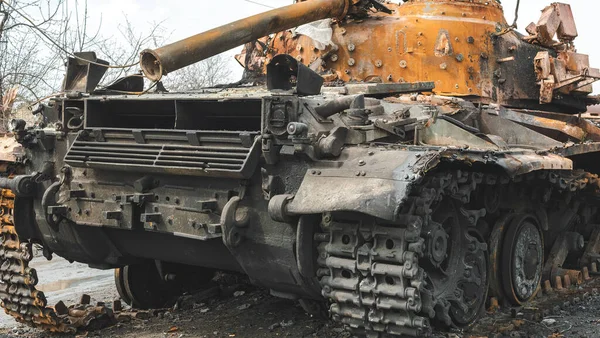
[389, 244]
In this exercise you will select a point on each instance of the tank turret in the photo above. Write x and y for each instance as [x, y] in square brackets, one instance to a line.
[158, 62]
[466, 48]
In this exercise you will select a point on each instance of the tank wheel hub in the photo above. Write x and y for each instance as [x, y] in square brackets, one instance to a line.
[523, 258]
[438, 246]
[531, 261]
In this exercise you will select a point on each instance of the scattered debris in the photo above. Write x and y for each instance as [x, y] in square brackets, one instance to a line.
[287, 323]
[85, 299]
[244, 307]
[187, 302]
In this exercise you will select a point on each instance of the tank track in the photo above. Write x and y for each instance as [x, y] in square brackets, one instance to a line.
[372, 288]
[371, 274]
[20, 298]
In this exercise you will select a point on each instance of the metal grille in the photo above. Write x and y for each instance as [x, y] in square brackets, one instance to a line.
[194, 153]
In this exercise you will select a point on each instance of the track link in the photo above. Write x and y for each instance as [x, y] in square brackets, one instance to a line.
[374, 278]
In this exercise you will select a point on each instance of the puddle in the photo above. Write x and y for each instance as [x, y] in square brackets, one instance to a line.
[64, 284]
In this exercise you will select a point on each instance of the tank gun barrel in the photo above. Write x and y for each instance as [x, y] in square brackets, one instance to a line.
[161, 61]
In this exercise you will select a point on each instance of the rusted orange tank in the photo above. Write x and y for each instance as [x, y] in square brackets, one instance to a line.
[448, 42]
[466, 48]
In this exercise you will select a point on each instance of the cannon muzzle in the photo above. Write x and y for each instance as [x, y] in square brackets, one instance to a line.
[158, 62]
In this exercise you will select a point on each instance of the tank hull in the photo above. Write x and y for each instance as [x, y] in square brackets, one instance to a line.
[400, 209]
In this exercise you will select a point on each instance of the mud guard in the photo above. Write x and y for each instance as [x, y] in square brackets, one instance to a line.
[374, 184]
[378, 183]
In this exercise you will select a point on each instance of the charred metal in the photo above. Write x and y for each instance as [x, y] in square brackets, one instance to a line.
[348, 179]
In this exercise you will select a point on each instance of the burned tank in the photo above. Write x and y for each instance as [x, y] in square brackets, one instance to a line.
[399, 170]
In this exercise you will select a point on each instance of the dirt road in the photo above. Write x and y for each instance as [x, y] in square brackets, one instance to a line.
[233, 308]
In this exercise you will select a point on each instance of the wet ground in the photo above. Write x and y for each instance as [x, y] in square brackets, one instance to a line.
[233, 308]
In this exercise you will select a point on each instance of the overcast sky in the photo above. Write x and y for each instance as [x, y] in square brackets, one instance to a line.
[182, 18]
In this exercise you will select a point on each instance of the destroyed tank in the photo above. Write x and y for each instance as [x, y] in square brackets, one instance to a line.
[403, 164]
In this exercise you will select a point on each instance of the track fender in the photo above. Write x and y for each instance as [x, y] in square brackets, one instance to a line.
[369, 181]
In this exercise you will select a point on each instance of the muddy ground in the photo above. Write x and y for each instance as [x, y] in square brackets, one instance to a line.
[233, 308]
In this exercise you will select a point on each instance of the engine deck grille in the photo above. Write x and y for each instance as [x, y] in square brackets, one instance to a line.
[179, 152]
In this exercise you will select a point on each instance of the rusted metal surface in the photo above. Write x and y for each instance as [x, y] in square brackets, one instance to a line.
[575, 277]
[568, 72]
[571, 131]
[158, 62]
[556, 19]
[572, 125]
[442, 41]
[8, 149]
[466, 47]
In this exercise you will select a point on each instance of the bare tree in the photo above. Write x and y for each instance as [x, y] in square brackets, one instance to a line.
[36, 37]
[207, 73]
[25, 68]
[134, 41]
